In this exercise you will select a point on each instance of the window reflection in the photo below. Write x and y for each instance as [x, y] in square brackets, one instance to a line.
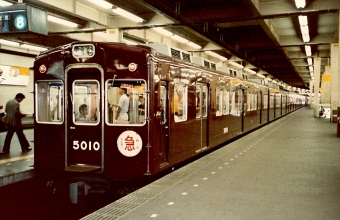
[126, 102]
[86, 101]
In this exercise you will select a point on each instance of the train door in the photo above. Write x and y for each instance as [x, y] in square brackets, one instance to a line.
[202, 114]
[84, 124]
[163, 115]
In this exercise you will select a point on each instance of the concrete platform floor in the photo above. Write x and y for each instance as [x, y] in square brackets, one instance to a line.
[289, 169]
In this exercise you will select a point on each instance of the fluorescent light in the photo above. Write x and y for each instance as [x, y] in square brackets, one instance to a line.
[129, 42]
[235, 64]
[127, 15]
[304, 30]
[3, 3]
[193, 45]
[303, 20]
[216, 55]
[308, 50]
[179, 39]
[300, 3]
[311, 69]
[101, 3]
[31, 47]
[62, 21]
[9, 43]
[310, 61]
[249, 70]
[163, 31]
[305, 38]
[260, 75]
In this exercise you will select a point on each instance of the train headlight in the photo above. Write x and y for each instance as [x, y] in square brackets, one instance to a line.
[83, 51]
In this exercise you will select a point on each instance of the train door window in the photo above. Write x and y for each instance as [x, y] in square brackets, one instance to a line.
[219, 101]
[265, 101]
[162, 103]
[239, 102]
[255, 101]
[49, 101]
[126, 102]
[180, 102]
[232, 103]
[86, 95]
[201, 94]
[225, 102]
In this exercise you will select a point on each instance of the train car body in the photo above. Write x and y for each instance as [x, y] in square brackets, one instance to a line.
[176, 111]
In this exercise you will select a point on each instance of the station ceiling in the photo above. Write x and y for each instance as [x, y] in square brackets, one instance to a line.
[264, 35]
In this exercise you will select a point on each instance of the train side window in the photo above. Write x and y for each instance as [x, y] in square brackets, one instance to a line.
[180, 102]
[86, 96]
[232, 102]
[126, 101]
[49, 102]
[162, 103]
[225, 102]
[219, 105]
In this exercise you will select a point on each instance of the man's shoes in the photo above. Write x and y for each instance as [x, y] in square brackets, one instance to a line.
[26, 150]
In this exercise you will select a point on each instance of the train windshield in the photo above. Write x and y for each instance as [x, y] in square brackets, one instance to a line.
[49, 102]
[126, 102]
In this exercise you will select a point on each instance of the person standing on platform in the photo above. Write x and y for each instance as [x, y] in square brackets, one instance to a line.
[13, 122]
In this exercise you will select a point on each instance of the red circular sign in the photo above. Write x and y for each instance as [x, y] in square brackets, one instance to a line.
[42, 69]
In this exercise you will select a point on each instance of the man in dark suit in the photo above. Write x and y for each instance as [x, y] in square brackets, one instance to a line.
[13, 121]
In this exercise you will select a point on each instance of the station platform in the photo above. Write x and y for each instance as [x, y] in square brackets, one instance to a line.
[17, 166]
[289, 169]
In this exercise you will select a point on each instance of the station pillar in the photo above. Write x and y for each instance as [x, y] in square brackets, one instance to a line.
[317, 69]
[335, 79]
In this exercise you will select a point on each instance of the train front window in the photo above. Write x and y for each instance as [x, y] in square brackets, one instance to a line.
[126, 101]
[86, 102]
[49, 101]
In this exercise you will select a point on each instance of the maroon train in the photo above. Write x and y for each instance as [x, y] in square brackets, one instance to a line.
[188, 110]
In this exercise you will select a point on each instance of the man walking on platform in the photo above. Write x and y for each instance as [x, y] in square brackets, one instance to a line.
[13, 122]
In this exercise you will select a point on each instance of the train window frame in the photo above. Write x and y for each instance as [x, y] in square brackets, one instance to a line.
[219, 101]
[90, 121]
[226, 97]
[201, 112]
[48, 102]
[178, 117]
[109, 101]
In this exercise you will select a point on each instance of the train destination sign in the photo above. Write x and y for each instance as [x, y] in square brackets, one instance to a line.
[19, 18]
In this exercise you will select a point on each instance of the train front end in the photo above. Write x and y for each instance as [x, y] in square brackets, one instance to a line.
[91, 109]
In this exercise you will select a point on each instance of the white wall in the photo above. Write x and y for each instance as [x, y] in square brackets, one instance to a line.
[8, 92]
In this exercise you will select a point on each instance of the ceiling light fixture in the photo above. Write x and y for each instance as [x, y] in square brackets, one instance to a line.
[300, 3]
[4, 3]
[310, 61]
[193, 45]
[62, 21]
[101, 3]
[9, 43]
[213, 54]
[235, 64]
[128, 15]
[249, 70]
[303, 20]
[31, 47]
[308, 50]
[163, 31]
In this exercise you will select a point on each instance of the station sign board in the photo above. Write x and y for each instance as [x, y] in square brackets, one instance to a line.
[23, 18]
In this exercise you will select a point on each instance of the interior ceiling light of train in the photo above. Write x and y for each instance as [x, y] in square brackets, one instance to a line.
[278, 39]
